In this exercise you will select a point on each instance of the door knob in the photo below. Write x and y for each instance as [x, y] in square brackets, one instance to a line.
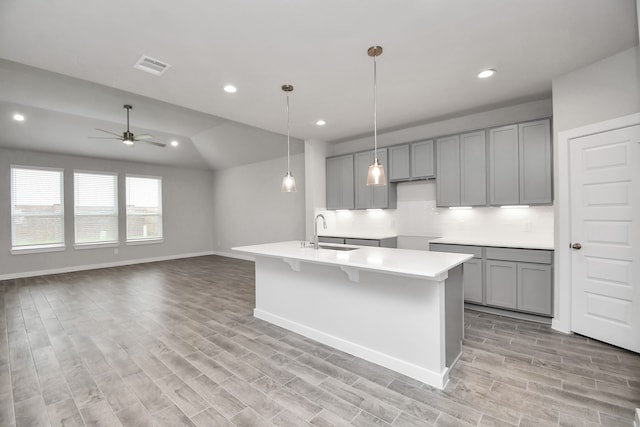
[576, 246]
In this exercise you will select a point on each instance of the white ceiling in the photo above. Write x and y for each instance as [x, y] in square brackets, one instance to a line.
[433, 50]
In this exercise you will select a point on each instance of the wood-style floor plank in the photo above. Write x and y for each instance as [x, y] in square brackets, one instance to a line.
[175, 343]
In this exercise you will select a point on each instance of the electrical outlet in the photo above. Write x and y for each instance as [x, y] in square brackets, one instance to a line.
[116, 251]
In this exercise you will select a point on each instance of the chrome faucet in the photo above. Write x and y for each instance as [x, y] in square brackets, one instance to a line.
[315, 229]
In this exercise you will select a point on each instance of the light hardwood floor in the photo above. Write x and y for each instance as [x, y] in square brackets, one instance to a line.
[174, 343]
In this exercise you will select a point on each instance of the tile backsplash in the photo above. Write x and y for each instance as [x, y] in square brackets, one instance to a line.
[417, 216]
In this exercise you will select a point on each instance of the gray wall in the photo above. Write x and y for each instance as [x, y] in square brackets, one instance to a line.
[187, 212]
[249, 207]
[603, 90]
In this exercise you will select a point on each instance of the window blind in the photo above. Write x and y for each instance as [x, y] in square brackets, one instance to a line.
[144, 208]
[95, 207]
[37, 210]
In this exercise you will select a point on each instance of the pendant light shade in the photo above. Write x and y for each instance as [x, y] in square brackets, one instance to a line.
[288, 182]
[376, 170]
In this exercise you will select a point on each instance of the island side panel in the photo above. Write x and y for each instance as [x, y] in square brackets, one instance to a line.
[454, 315]
[391, 320]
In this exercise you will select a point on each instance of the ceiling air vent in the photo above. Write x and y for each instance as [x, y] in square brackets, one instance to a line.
[151, 65]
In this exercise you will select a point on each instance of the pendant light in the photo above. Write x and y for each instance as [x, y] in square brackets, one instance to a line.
[288, 182]
[376, 171]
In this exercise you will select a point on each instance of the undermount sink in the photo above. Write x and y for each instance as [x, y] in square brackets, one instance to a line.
[338, 248]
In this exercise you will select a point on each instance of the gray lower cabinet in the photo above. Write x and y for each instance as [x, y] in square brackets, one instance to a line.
[472, 281]
[461, 165]
[520, 168]
[534, 288]
[502, 279]
[369, 196]
[520, 279]
[340, 192]
[472, 278]
[509, 278]
[390, 242]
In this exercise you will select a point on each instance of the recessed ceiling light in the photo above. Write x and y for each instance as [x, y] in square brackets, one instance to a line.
[486, 73]
[321, 122]
[230, 89]
[18, 117]
[174, 143]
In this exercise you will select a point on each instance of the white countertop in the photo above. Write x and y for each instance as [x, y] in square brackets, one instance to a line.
[407, 262]
[368, 236]
[502, 243]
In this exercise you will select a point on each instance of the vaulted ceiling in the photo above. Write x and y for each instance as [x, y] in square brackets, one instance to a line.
[68, 66]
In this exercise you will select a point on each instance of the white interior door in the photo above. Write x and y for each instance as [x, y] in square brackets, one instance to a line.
[605, 222]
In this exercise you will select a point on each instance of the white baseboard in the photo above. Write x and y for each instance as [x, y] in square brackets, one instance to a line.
[71, 269]
[436, 379]
[636, 423]
[234, 255]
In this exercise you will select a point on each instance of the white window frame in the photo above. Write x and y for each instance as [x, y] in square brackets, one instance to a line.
[149, 240]
[36, 248]
[105, 243]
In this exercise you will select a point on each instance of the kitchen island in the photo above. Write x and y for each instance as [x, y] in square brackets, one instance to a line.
[401, 309]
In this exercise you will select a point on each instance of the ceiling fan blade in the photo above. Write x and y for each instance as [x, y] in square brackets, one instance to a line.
[157, 144]
[104, 137]
[112, 133]
[143, 136]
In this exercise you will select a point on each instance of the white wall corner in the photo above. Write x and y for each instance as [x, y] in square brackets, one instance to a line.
[315, 154]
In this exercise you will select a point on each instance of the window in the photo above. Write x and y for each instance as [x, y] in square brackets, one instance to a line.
[144, 208]
[95, 208]
[37, 211]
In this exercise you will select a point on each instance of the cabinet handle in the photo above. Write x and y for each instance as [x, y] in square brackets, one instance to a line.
[576, 246]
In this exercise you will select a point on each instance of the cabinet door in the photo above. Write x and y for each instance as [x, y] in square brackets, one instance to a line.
[472, 281]
[535, 162]
[473, 169]
[448, 167]
[326, 239]
[363, 191]
[503, 166]
[363, 242]
[422, 160]
[340, 182]
[399, 163]
[534, 288]
[501, 282]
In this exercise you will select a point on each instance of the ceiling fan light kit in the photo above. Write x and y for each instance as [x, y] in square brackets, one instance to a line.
[128, 138]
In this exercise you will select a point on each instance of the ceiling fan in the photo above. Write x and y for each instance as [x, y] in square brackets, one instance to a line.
[127, 137]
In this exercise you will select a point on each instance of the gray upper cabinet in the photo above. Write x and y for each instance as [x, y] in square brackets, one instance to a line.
[422, 160]
[520, 168]
[448, 167]
[503, 166]
[411, 161]
[473, 169]
[535, 162]
[462, 170]
[369, 196]
[340, 192]
[399, 163]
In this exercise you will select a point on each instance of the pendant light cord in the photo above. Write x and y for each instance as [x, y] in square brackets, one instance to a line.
[375, 114]
[288, 163]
